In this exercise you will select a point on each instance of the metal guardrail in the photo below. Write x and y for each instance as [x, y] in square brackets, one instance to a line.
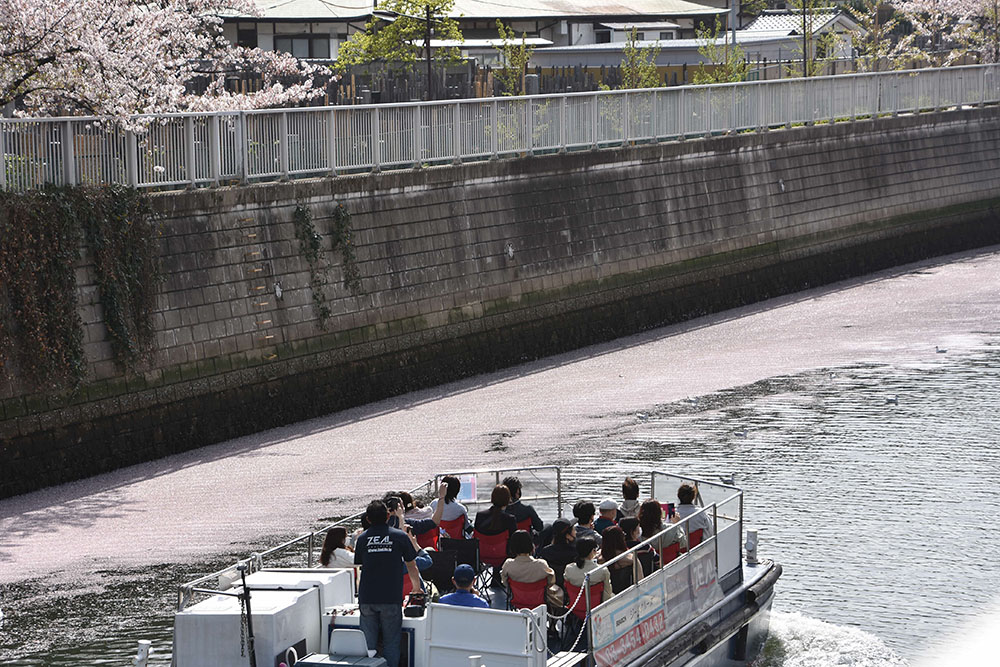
[193, 149]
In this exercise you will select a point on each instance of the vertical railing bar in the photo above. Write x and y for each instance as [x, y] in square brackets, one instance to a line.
[283, 145]
[456, 130]
[3, 154]
[594, 98]
[494, 137]
[417, 148]
[68, 154]
[215, 149]
[242, 146]
[189, 159]
[529, 125]
[562, 124]
[331, 142]
[376, 134]
[132, 158]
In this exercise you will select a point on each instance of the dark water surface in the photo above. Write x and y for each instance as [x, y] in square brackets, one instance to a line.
[874, 486]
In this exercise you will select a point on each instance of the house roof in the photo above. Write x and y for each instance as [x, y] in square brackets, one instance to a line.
[639, 25]
[338, 10]
[742, 37]
[789, 21]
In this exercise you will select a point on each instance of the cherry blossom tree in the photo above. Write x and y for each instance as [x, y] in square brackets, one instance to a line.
[121, 57]
[942, 26]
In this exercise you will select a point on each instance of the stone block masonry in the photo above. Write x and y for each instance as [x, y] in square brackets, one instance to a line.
[469, 268]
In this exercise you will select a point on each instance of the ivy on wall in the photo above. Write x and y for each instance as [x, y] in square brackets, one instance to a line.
[41, 334]
[311, 246]
[117, 222]
[40, 329]
[342, 242]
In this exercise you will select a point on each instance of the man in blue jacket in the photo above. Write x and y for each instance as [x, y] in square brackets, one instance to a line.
[463, 596]
[382, 551]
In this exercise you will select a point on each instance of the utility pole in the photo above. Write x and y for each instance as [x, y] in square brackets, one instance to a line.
[805, 41]
[427, 47]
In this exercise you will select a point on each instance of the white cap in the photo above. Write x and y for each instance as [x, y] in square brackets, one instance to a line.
[607, 504]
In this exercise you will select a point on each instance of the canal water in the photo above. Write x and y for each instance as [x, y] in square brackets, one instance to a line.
[873, 485]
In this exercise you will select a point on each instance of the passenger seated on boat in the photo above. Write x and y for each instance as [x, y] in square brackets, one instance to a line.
[526, 516]
[424, 529]
[609, 515]
[525, 569]
[464, 596]
[686, 493]
[584, 512]
[413, 509]
[495, 519]
[651, 523]
[630, 499]
[630, 526]
[562, 551]
[335, 552]
[622, 570]
[454, 516]
[586, 555]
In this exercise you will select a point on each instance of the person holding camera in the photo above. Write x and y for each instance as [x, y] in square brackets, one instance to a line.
[382, 552]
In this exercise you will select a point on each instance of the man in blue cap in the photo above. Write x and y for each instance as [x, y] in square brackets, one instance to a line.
[464, 597]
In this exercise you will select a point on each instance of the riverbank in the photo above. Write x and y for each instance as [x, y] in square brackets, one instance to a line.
[227, 496]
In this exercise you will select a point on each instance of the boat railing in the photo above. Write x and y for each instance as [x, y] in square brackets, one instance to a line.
[666, 598]
[539, 484]
[728, 500]
[542, 482]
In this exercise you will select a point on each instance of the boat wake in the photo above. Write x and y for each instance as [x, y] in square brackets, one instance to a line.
[799, 641]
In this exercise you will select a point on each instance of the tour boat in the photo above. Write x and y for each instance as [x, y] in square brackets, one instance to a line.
[705, 605]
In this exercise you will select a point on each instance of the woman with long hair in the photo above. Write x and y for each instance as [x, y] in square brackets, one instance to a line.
[495, 519]
[651, 523]
[335, 551]
[453, 510]
[622, 569]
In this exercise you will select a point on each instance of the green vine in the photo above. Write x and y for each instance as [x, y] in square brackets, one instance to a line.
[41, 333]
[40, 329]
[342, 242]
[311, 245]
[117, 224]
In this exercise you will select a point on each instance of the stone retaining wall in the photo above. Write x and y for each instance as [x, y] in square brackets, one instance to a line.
[474, 267]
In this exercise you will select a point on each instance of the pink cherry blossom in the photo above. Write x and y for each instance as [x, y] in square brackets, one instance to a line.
[122, 57]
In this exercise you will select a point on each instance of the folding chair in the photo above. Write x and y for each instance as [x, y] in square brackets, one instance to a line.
[467, 553]
[694, 538]
[455, 528]
[442, 570]
[522, 595]
[621, 578]
[492, 551]
[669, 553]
[429, 539]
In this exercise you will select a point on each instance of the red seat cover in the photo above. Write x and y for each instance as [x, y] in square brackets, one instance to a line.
[580, 608]
[527, 595]
[492, 548]
[455, 528]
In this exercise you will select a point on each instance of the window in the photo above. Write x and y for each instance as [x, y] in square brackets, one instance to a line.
[602, 36]
[304, 46]
[640, 36]
[667, 35]
[247, 37]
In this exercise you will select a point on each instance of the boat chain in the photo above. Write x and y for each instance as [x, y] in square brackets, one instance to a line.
[243, 627]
